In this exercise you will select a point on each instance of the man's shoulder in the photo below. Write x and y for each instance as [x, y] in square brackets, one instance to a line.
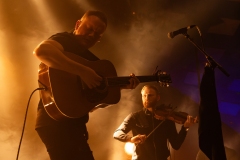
[64, 38]
[140, 118]
[137, 113]
[61, 34]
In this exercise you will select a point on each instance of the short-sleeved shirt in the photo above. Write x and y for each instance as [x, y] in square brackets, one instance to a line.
[70, 44]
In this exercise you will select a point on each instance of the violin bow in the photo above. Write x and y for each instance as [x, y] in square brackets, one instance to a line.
[159, 123]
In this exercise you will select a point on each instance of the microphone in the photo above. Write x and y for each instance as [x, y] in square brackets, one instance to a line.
[180, 31]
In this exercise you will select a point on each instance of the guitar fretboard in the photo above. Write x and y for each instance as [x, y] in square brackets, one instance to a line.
[114, 81]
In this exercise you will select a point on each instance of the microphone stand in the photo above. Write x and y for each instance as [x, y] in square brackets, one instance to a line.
[209, 58]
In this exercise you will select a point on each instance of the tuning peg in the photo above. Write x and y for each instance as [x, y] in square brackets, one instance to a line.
[163, 84]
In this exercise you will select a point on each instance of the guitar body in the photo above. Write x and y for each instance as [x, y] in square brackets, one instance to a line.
[66, 96]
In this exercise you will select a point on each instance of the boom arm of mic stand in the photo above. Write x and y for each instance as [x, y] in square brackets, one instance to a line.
[209, 58]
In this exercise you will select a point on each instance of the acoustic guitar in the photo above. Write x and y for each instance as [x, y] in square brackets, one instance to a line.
[66, 96]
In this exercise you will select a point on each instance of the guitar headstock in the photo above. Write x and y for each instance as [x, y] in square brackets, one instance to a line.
[163, 78]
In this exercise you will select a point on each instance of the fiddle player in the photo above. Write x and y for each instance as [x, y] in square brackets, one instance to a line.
[142, 123]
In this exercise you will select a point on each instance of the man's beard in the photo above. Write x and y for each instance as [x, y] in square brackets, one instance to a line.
[149, 104]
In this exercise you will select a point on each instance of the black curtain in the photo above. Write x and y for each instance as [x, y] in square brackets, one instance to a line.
[210, 131]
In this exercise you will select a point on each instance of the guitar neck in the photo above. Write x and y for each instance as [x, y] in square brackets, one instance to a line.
[119, 81]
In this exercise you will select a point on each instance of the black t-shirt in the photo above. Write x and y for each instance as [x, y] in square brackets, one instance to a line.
[70, 44]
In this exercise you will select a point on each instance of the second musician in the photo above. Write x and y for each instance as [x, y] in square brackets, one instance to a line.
[143, 122]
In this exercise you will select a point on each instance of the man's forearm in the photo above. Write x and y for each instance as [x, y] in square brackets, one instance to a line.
[121, 136]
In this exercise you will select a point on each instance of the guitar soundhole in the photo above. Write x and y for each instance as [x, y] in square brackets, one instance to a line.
[96, 94]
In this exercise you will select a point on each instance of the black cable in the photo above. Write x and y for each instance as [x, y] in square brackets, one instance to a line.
[25, 118]
[197, 60]
[200, 34]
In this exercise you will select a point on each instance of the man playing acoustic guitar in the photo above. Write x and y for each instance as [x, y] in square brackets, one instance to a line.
[66, 138]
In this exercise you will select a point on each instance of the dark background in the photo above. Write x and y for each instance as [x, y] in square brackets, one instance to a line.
[135, 41]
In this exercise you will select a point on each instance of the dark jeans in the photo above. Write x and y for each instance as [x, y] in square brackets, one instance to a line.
[66, 142]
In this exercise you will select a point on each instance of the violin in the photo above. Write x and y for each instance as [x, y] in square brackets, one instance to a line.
[166, 112]
[163, 112]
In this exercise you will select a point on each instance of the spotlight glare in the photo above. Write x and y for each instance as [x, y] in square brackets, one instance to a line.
[129, 148]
